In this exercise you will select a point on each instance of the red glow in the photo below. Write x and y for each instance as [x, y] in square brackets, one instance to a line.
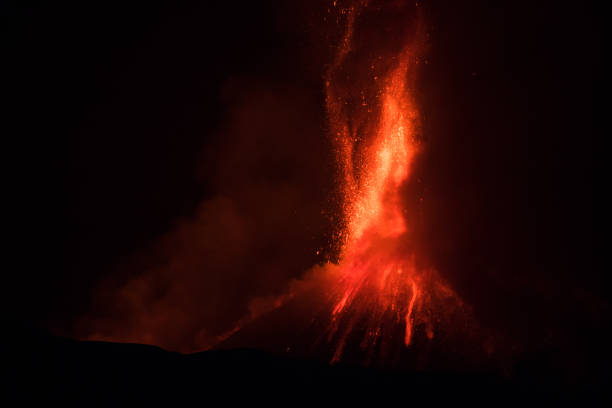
[377, 297]
[379, 285]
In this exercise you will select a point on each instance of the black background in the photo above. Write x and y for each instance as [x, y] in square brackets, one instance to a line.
[111, 108]
[110, 105]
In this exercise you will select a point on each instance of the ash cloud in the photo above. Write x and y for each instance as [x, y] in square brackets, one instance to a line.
[271, 172]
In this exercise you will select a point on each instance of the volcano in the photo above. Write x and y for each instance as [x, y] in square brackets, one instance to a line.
[379, 299]
[372, 184]
[300, 328]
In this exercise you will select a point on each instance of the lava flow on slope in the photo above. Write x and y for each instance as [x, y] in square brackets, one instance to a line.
[375, 125]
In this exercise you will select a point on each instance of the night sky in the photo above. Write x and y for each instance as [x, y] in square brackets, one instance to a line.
[141, 137]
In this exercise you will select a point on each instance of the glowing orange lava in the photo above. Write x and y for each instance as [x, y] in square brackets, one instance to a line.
[379, 283]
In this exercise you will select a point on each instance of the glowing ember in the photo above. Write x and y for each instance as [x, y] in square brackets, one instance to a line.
[379, 284]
